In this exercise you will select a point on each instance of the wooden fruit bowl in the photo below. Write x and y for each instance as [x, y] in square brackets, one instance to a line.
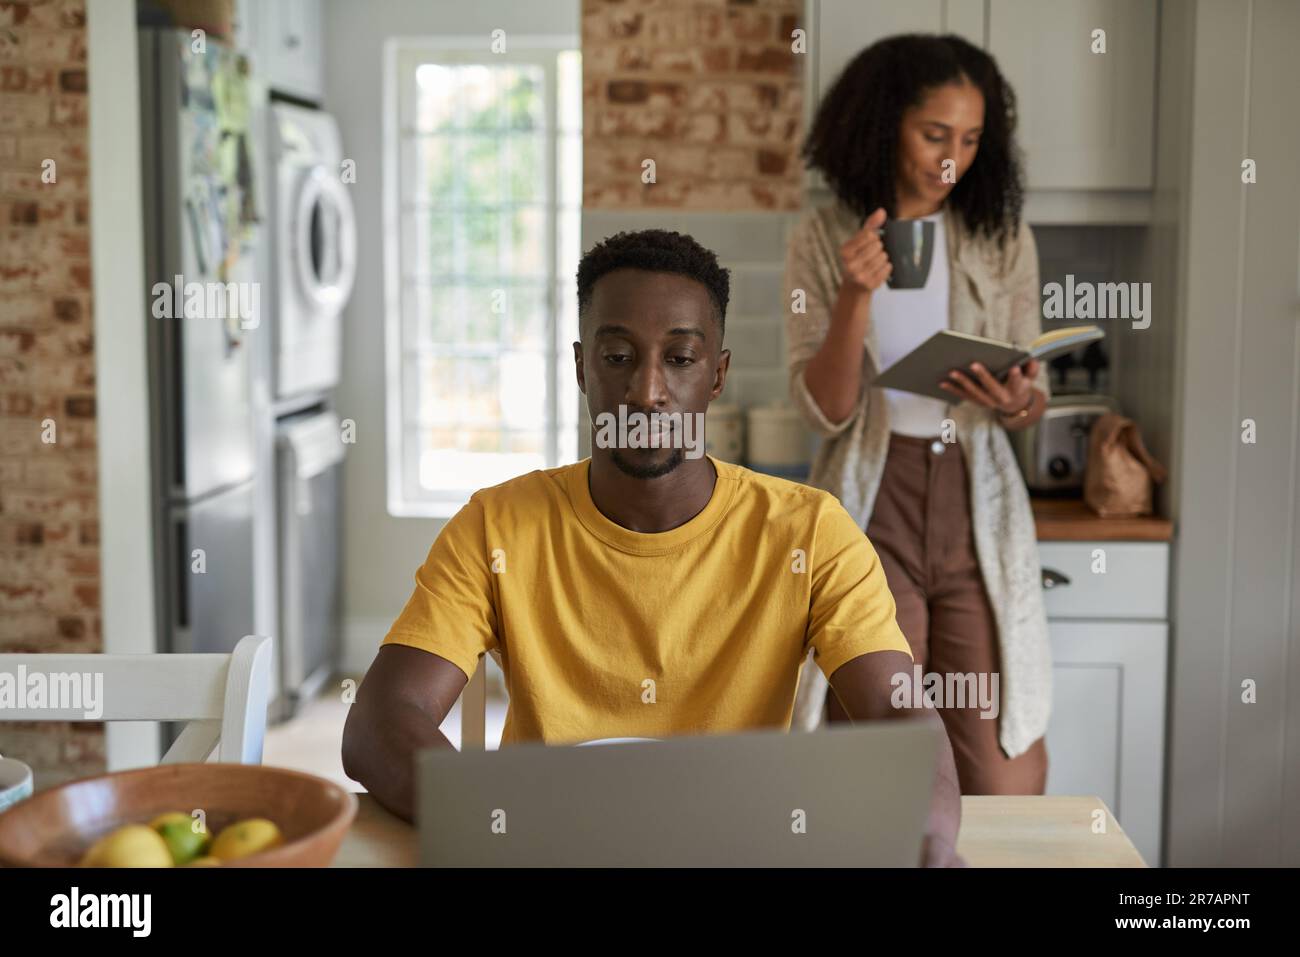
[54, 828]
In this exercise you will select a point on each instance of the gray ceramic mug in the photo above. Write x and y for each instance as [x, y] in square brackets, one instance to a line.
[909, 243]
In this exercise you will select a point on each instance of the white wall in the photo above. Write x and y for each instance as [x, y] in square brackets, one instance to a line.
[381, 553]
[121, 371]
[1233, 792]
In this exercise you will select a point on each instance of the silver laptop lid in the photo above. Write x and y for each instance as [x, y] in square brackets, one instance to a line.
[852, 795]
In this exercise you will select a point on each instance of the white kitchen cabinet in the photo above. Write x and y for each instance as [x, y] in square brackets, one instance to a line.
[1106, 734]
[285, 41]
[1125, 580]
[1087, 120]
[1109, 638]
[841, 29]
[845, 28]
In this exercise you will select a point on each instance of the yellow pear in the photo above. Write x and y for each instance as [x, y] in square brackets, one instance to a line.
[133, 845]
[171, 817]
[243, 838]
[178, 832]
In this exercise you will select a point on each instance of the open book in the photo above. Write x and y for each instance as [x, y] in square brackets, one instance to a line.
[922, 369]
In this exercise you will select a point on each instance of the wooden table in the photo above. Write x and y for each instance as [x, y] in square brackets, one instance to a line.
[995, 832]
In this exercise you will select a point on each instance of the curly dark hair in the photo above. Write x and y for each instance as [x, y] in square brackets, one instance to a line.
[854, 137]
[656, 250]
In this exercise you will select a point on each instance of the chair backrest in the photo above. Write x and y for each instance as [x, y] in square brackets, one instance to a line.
[473, 709]
[222, 697]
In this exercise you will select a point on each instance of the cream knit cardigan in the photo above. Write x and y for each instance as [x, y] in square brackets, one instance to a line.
[992, 293]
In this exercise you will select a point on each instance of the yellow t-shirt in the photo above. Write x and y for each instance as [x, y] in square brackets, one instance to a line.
[606, 632]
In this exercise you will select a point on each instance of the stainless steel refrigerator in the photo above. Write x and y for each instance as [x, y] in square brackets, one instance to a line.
[202, 227]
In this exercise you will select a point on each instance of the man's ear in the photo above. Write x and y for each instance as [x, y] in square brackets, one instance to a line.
[720, 373]
[578, 368]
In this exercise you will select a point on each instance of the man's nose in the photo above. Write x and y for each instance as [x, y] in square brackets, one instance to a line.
[647, 387]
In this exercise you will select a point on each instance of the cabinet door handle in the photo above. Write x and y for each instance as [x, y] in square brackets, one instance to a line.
[1054, 579]
[183, 580]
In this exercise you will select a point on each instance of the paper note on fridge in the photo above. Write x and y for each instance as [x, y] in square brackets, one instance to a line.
[922, 369]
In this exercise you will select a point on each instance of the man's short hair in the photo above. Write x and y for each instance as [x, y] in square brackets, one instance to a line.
[656, 250]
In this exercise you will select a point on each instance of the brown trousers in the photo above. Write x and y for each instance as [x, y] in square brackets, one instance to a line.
[921, 528]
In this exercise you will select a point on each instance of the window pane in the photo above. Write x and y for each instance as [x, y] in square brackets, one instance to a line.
[445, 467]
[484, 312]
[569, 170]
[526, 317]
[566, 295]
[481, 302]
[444, 439]
[435, 98]
[459, 392]
[522, 95]
[428, 169]
[481, 159]
[523, 392]
[569, 404]
[528, 169]
[476, 90]
[569, 237]
[428, 243]
[482, 240]
[530, 252]
[451, 314]
[532, 443]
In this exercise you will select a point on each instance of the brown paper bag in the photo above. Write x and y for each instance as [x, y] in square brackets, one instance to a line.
[1118, 479]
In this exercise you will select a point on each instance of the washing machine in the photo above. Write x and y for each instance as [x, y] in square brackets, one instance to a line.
[314, 256]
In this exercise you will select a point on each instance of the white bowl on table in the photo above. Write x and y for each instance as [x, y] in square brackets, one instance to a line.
[583, 744]
[15, 782]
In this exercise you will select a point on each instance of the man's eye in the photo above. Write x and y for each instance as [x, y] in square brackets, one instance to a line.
[615, 357]
[681, 360]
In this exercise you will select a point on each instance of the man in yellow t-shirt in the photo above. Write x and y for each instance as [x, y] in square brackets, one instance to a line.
[651, 589]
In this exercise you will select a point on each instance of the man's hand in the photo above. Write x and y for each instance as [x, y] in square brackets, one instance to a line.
[403, 699]
[936, 852]
[864, 687]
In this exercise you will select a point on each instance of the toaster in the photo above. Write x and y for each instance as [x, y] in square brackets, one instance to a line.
[1053, 453]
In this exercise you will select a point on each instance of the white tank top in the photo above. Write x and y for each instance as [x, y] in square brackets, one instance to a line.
[903, 319]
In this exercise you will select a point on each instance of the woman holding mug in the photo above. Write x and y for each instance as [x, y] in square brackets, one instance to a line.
[921, 127]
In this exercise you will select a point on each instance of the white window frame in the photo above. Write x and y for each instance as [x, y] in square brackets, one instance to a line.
[405, 499]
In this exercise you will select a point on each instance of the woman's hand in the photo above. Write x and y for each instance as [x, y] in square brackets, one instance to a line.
[979, 386]
[866, 264]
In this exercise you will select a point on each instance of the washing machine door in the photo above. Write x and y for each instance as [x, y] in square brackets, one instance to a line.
[326, 241]
[322, 260]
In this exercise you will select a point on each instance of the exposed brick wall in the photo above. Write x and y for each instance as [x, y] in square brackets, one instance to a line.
[49, 517]
[709, 89]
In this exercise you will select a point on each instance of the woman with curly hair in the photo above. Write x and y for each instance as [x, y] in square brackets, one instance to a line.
[922, 127]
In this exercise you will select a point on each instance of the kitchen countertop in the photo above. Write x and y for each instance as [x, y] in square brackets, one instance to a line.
[1070, 520]
[1001, 831]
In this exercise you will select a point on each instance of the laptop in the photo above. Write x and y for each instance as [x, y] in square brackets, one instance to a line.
[842, 796]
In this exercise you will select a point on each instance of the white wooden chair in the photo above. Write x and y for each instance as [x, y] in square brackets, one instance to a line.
[473, 708]
[223, 697]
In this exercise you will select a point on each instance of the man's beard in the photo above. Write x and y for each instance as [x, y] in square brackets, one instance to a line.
[648, 471]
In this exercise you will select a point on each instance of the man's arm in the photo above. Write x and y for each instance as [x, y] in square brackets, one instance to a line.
[863, 686]
[402, 701]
